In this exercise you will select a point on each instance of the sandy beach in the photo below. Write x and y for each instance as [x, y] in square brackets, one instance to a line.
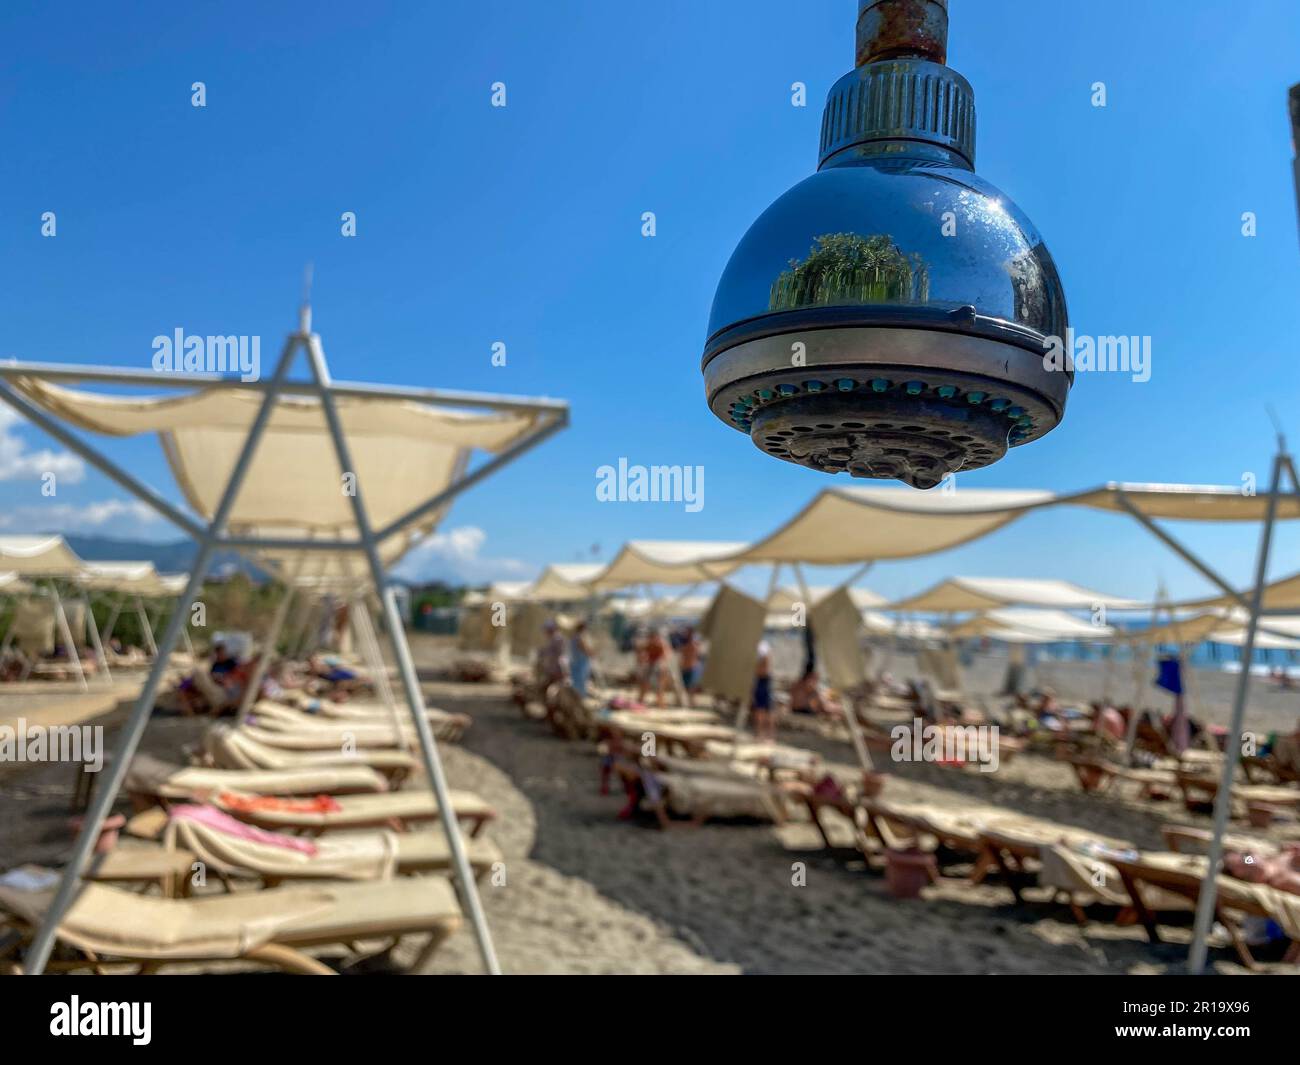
[585, 892]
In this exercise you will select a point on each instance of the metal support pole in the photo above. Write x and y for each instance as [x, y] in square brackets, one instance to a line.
[406, 666]
[106, 793]
[112, 619]
[1205, 904]
[146, 627]
[189, 644]
[375, 660]
[65, 634]
[268, 649]
[96, 642]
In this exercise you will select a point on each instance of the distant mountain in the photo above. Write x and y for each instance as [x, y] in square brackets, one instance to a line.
[173, 557]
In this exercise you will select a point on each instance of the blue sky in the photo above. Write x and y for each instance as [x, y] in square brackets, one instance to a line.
[523, 225]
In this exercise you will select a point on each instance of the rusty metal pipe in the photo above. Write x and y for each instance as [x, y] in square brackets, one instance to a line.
[902, 29]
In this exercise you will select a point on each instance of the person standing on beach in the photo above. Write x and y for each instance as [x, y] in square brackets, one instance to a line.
[688, 657]
[580, 658]
[656, 650]
[551, 663]
[764, 722]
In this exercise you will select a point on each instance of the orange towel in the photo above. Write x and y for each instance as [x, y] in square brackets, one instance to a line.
[320, 804]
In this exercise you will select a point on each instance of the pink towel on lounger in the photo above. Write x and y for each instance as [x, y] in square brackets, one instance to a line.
[223, 822]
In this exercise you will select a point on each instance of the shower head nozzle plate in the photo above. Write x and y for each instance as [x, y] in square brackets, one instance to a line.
[917, 440]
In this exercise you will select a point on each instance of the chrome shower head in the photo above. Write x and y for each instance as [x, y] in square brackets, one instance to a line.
[889, 315]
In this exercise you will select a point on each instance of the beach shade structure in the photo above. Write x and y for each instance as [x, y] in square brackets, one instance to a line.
[856, 524]
[1225, 625]
[355, 598]
[129, 584]
[670, 607]
[860, 525]
[894, 315]
[46, 560]
[277, 467]
[878, 624]
[960, 595]
[668, 562]
[565, 582]
[1021, 625]
[1283, 594]
[786, 599]
[38, 556]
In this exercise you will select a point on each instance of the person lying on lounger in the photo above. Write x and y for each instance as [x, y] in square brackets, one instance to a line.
[807, 696]
[1281, 870]
[332, 670]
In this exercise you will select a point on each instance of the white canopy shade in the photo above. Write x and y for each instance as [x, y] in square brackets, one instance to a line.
[853, 524]
[12, 584]
[962, 594]
[668, 562]
[1222, 625]
[884, 625]
[1282, 594]
[686, 607]
[38, 556]
[565, 581]
[1013, 625]
[785, 599]
[499, 592]
[134, 578]
[856, 524]
[1263, 640]
[404, 452]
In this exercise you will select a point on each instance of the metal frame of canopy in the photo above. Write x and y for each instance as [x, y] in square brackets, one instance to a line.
[210, 536]
[48, 575]
[64, 629]
[355, 595]
[126, 591]
[1283, 467]
[1127, 499]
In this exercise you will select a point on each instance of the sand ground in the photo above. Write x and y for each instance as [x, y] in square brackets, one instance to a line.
[587, 893]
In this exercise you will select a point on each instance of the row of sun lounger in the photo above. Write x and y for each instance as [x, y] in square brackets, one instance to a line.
[295, 816]
[675, 762]
[1078, 866]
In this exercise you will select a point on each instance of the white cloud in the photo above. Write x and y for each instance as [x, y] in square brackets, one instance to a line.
[456, 555]
[118, 517]
[16, 461]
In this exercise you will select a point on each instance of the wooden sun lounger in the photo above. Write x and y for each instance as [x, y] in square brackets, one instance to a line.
[361, 855]
[1200, 790]
[1183, 878]
[308, 713]
[399, 810]
[151, 778]
[106, 926]
[154, 783]
[1186, 839]
[236, 747]
[1098, 775]
[689, 741]
[700, 797]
